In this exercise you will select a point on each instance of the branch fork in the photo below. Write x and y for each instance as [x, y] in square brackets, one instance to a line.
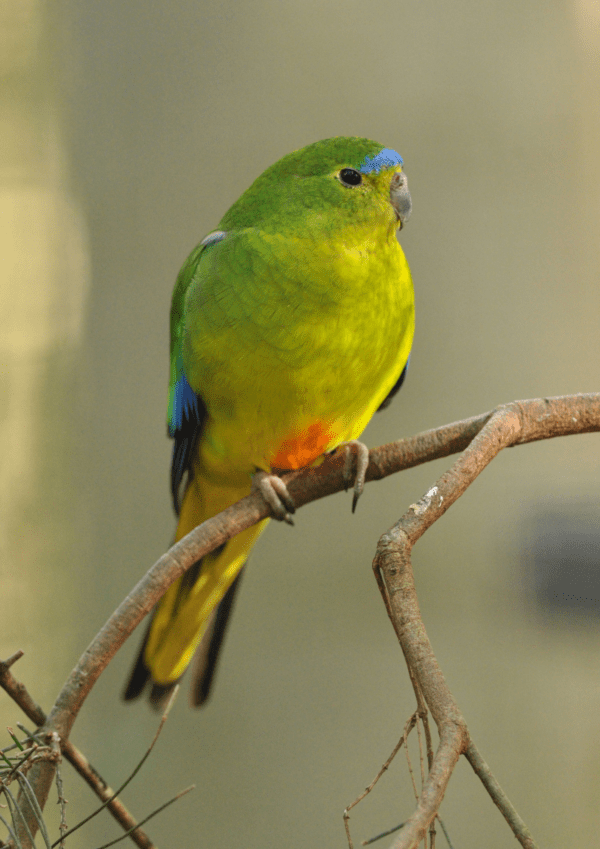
[480, 438]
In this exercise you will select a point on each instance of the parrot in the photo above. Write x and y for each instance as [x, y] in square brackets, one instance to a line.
[291, 324]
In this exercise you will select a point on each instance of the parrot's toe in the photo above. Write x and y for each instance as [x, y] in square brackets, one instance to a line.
[362, 461]
[276, 494]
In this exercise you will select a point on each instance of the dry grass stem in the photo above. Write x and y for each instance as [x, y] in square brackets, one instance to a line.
[18, 692]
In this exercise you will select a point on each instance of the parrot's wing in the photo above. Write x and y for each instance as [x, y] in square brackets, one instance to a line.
[185, 419]
[186, 431]
[186, 411]
[388, 400]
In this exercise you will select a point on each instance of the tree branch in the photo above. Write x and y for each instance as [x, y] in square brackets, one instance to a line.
[512, 424]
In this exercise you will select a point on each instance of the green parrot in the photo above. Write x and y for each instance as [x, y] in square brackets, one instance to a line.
[291, 324]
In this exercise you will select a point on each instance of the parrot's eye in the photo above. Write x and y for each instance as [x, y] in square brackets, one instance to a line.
[350, 177]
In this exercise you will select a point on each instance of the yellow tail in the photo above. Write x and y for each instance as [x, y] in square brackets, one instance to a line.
[182, 616]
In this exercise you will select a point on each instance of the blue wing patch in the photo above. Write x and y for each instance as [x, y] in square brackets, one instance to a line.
[185, 427]
[186, 411]
[184, 406]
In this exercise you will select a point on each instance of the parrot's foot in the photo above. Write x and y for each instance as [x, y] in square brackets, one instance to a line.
[362, 462]
[275, 493]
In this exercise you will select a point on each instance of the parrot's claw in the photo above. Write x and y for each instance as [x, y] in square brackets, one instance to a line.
[275, 493]
[362, 463]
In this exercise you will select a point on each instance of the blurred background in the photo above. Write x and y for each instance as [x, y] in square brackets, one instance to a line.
[127, 130]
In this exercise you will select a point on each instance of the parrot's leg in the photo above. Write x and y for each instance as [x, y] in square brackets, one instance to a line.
[362, 462]
[275, 493]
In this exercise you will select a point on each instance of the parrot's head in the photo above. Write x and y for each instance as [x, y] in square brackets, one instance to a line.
[338, 183]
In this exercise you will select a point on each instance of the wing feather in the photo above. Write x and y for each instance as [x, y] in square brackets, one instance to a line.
[186, 410]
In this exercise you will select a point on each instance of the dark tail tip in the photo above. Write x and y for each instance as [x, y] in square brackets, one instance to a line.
[140, 674]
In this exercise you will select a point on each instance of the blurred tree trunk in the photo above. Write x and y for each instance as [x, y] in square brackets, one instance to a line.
[42, 295]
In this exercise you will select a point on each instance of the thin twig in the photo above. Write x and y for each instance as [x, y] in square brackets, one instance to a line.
[432, 833]
[149, 817]
[421, 763]
[398, 827]
[499, 797]
[422, 766]
[407, 729]
[13, 659]
[407, 754]
[445, 830]
[62, 826]
[428, 741]
[95, 813]
[383, 834]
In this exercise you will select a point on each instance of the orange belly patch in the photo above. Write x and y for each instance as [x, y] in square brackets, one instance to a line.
[301, 449]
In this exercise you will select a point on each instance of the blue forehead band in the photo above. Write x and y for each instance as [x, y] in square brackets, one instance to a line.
[386, 158]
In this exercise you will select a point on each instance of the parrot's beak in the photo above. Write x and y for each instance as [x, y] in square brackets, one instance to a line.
[400, 197]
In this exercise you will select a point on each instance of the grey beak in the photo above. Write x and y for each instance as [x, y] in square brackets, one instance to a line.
[400, 197]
